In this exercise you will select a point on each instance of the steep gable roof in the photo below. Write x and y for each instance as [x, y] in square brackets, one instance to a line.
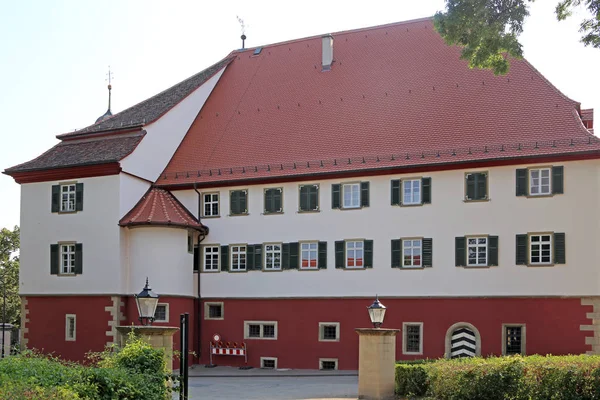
[396, 96]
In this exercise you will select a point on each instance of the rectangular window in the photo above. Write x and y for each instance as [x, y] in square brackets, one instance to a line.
[412, 338]
[260, 330]
[272, 256]
[540, 182]
[329, 331]
[67, 198]
[513, 339]
[210, 204]
[309, 255]
[67, 257]
[162, 313]
[476, 186]
[309, 198]
[351, 195]
[268, 362]
[70, 327]
[238, 202]
[477, 249]
[540, 250]
[211, 258]
[328, 364]
[238, 258]
[355, 254]
[411, 191]
[412, 253]
[190, 242]
[273, 201]
[213, 310]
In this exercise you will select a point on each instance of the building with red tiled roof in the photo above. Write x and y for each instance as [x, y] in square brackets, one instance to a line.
[275, 193]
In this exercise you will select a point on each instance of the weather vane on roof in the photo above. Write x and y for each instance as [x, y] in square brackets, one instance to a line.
[243, 26]
[108, 113]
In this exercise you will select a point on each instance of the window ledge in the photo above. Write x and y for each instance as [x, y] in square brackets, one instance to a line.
[238, 215]
[213, 319]
[355, 268]
[477, 266]
[541, 265]
[67, 212]
[411, 205]
[329, 340]
[308, 211]
[309, 269]
[211, 216]
[410, 353]
[66, 275]
[476, 200]
[538, 196]
[210, 271]
[272, 213]
[271, 269]
[411, 268]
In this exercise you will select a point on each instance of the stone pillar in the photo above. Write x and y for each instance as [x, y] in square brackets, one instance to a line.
[159, 337]
[7, 338]
[376, 363]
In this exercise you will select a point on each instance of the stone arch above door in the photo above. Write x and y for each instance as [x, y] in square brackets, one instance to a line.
[466, 339]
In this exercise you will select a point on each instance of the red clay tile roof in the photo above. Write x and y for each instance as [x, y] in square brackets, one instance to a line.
[396, 96]
[160, 207]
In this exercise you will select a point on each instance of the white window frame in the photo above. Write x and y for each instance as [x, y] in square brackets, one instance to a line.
[166, 305]
[523, 337]
[70, 268]
[335, 360]
[237, 256]
[211, 202]
[354, 250]
[190, 242]
[351, 186]
[477, 245]
[405, 338]
[539, 244]
[262, 330]
[70, 190]
[309, 259]
[272, 252]
[212, 254]
[322, 326]
[412, 256]
[408, 187]
[539, 185]
[207, 306]
[68, 336]
[262, 359]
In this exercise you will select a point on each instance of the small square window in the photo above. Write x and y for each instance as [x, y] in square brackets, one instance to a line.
[269, 331]
[411, 191]
[351, 195]
[213, 310]
[210, 204]
[162, 313]
[328, 364]
[412, 338]
[329, 331]
[254, 330]
[70, 327]
[268, 362]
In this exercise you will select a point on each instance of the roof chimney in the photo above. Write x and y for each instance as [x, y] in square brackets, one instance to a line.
[327, 52]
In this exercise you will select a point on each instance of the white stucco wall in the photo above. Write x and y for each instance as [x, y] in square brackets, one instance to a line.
[161, 255]
[163, 136]
[576, 213]
[95, 227]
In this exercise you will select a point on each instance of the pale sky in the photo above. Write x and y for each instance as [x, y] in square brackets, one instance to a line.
[54, 56]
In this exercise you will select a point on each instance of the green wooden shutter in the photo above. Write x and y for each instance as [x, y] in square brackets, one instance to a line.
[234, 198]
[258, 257]
[54, 259]
[470, 182]
[243, 202]
[224, 258]
[426, 188]
[269, 203]
[481, 186]
[285, 256]
[313, 204]
[557, 180]
[339, 254]
[78, 258]
[493, 250]
[427, 252]
[559, 248]
[196, 262]
[79, 197]
[395, 194]
[55, 207]
[294, 255]
[277, 200]
[322, 255]
[364, 194]
[250, 257]
[368, 253]
[396, 253]
[460, 251]
[522, 182]
[304, 198]
[336, 195]
[521, 250]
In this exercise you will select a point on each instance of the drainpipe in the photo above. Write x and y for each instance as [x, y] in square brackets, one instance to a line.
[201, 237]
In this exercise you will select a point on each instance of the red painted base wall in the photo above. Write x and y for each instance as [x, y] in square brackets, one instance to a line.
[552, 327]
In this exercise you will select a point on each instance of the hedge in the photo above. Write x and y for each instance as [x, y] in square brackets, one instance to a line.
[500, 378]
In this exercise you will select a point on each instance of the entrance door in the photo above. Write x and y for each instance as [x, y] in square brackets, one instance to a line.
[463, 344]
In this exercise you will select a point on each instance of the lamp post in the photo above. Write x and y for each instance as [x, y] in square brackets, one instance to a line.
[376, 313]
[3, 306]
[146, 302]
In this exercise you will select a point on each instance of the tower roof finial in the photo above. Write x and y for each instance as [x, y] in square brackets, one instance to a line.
[108, 112]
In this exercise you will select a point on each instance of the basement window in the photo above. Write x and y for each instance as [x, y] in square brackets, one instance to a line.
[268, 362]
[329, 364]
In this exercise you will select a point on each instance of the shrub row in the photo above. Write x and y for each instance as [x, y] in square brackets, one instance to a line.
[136, 372]
[515, 377]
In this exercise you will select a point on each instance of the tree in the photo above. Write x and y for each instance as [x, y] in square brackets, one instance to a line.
[9, 274]
[488, 30]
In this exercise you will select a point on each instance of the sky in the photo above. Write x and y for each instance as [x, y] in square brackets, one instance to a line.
[54, 56]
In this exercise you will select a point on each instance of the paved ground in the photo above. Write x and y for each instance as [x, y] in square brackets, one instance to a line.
[273, 387]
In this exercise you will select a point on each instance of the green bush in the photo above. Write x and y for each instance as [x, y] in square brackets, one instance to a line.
[518, 378]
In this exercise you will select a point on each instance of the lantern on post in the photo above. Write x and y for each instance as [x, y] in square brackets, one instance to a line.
[376, 313]
[146, 302]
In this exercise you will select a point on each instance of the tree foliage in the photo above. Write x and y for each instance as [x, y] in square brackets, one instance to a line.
[488, 30]
[9, 274]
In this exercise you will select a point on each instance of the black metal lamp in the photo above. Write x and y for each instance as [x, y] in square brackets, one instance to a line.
[146, 302]
[376, 312]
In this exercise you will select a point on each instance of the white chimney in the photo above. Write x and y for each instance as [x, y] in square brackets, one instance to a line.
[327, 52]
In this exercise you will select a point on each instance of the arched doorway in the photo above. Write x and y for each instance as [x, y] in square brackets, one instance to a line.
[463, 340]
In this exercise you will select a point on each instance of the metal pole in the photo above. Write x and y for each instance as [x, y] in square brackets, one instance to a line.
[186, 355]
[3, 310]
[183, 360]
